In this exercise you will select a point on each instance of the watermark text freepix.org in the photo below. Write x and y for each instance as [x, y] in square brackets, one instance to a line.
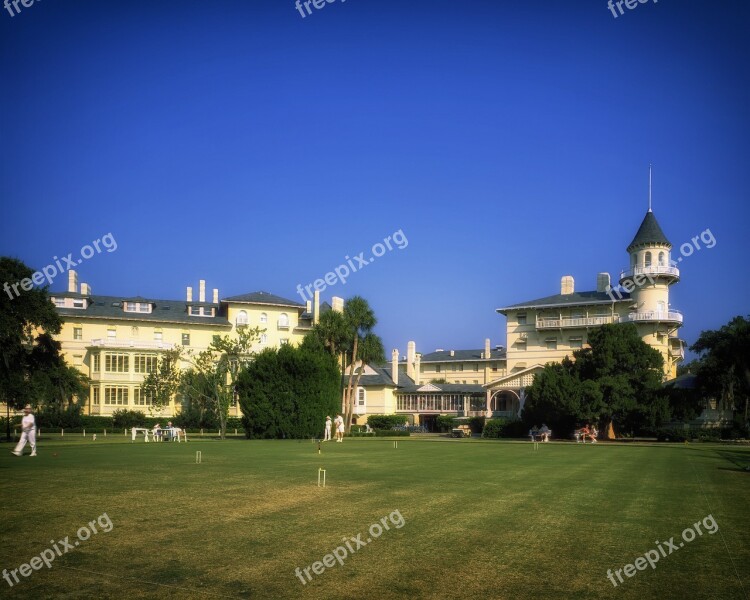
[341, 552]
[342, 272]
[640, 278]
[631, 4]
[653, 556]
[49, 272]
[318, 4]
[61, 547]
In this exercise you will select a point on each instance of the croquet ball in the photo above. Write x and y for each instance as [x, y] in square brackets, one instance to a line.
[54, 454]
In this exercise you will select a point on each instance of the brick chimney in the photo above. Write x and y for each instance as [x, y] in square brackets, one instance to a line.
[567, 285]
[202, 290]
[487, 351]
[394, 365]
[189, 293]
[411, 351]
[417, 368]
[72, 281]
[603, 282]
[216, 295]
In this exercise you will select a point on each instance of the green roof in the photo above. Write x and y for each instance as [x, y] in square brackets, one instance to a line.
[649, 233]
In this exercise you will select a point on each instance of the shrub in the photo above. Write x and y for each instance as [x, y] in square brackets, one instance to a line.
[386, 421]
[445, 423]
[391, 433]
[494, 428]
[476, 424]
[128, 418]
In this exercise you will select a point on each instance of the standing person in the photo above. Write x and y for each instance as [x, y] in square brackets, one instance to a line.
[28, 432]
[339, 429]
[327, 437]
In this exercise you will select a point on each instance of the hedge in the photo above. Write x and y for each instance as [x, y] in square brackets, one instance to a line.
[386, 421]
[391, 433]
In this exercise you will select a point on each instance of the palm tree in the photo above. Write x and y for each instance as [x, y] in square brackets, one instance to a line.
[365, 346]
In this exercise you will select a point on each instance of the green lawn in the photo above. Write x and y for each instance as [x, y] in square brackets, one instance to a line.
[481, 519]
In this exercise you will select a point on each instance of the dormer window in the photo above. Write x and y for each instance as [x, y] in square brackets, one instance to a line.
[59, 302]
[283, 321]
[201, 311]
[137, 307]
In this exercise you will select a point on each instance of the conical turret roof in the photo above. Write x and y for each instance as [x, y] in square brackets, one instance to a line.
[649, 233]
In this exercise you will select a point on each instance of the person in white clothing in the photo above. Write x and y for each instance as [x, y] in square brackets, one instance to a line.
[327, 437]
[339, 428]
[28, 432]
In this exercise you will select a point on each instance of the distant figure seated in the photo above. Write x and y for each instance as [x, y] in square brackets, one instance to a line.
[368, 429]
[545, 433]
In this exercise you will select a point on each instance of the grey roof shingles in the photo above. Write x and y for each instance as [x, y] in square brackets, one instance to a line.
[649, 233]
[461, 355]
[164, 311]
[263, 298]
[574, 299]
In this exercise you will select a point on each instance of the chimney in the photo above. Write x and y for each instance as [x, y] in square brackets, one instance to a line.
[453, 353]
[202, 290]
[337, 304]
[189, 294]
[411, 350]
[308, 307]
[417, 368]
[216, 295]
[394, 366]
[85, 289]
[487, 351]
[567, 285]
[316, 307]
[602, 282]
[72, 281]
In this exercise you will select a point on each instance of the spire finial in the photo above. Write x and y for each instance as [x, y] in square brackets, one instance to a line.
[649, 187]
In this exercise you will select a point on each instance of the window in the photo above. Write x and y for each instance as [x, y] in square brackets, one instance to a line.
[143, 307]
[576, 342]
[134, 331]
[522, 319]
[115, 395]
[662, 259]
[242, 318]
[263, 318]
[60, 302]
[158, 336]
[95, 395]
[96, 362]
[284, 341]
[521, 344]
[660, 306]
[263, 338]
[476, 366]
[79, 304]
[111, 333]
[460, 368]
[437, 368]
[494, 367]
[647, 262]
[283, 321]
[634, 260]
[77, 333]
[476, 381]
[145, 363]
[185, 339]
[116, 363]
[551, 344]
[201, 311]
[142, 398]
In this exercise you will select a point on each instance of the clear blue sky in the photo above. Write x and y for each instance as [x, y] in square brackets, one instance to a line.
[241, 143]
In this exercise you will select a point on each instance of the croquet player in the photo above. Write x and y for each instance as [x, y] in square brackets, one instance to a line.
[339, 428]
[327, 437]
[28, 432]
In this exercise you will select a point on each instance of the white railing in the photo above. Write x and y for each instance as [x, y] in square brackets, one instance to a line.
[657, 315]
[546, 323]
[650, 270]
[113, 343]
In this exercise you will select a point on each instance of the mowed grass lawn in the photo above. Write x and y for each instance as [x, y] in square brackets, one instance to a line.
[481, 519]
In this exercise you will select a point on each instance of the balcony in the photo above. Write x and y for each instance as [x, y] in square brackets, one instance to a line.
[139, 344]
[676, 348]
[672, 316]
[565, 322]
[650, 271]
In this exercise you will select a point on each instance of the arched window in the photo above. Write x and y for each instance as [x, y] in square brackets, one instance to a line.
[263, 338]
[263, 318]
[662, 259]
[242, 318]
[647, 261]
[283, 320]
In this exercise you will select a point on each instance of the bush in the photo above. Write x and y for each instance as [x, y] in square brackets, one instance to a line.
[476, 424]
[445, 423]
[124, 419]
[671, 435]
[386, 421]
[391, 433]
[504, 428]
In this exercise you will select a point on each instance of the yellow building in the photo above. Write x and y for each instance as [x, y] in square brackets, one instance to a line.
[115, 340]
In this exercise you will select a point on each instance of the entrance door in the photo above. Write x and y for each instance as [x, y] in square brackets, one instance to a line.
[429, 422]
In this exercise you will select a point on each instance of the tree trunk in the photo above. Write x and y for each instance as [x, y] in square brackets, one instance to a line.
[349, 396]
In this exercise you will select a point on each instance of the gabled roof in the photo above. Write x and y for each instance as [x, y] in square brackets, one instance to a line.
[164, 311]
[379, 376]
[263, 298]
[649, 233]
[574, 299]
[446, 388]
[460, 356]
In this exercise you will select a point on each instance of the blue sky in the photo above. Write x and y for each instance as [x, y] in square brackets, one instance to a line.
[241, 143]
